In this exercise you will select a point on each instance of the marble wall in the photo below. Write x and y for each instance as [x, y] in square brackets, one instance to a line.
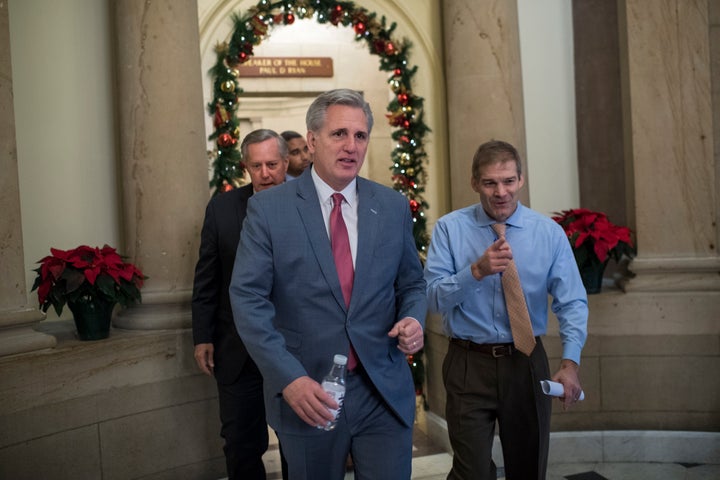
[131, 406]
[485, 88]
[17, 318]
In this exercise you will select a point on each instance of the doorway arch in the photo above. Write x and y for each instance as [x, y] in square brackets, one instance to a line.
[405, 111]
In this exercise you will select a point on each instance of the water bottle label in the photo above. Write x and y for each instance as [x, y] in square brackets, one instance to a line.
[337, 392]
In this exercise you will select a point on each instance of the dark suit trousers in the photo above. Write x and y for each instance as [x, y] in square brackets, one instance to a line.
[242, 412]
[481, 390]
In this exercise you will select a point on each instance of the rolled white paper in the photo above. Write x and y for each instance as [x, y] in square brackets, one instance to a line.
[556, 389]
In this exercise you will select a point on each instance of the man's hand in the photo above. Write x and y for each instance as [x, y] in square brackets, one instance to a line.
[409, 334]
[568, 376]
[204, 357]
[494, 260]
[308, 399]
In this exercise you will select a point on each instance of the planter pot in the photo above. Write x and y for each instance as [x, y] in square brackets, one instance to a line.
[592, 276]
[92, 317]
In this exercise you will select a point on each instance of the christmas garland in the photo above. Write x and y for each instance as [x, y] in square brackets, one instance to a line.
[405, 111]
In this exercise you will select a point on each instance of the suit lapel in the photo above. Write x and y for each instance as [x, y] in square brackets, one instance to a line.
[241, 206]
[308, 207]
[369, 211]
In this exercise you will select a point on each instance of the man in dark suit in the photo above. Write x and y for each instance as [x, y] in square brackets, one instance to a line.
[293, 315]
[219, 351]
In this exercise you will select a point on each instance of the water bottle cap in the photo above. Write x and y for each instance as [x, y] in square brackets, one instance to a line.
[340, 359]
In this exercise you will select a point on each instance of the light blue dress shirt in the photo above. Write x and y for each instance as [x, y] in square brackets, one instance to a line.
[475, 310]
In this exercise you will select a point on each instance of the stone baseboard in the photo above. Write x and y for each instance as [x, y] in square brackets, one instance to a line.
[626, 446]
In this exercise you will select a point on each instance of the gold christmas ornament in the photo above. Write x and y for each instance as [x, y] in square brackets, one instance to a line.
[221, 47]
[227, 86]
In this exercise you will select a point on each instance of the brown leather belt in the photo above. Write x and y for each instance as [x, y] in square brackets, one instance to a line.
[497, 350]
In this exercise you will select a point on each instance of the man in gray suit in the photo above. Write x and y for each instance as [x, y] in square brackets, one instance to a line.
[290, 309]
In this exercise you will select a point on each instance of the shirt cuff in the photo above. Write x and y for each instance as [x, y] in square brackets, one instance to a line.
[572, 352]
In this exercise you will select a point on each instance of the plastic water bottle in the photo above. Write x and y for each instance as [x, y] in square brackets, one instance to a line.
[334, 384]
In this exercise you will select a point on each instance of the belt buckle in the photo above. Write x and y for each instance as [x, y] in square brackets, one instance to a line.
[501, 351]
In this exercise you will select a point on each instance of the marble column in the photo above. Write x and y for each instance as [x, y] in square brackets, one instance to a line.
[484, 85]
[17, 319]
[669, 134]
[162, 149]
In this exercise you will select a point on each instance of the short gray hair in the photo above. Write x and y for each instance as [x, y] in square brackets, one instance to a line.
[315, 118]
[259, 136]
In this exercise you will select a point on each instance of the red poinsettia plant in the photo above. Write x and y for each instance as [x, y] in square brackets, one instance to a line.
[86, 273]
[594, 239]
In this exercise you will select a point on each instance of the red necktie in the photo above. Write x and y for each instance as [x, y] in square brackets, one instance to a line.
[340, 243]
[520, 325]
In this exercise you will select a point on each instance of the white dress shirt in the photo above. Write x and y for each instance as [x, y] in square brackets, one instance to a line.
[349, 208]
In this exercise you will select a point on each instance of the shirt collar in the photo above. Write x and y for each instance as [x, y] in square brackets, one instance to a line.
[325, 192]
[484, 220]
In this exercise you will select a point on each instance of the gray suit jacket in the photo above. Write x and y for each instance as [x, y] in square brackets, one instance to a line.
[287, 301]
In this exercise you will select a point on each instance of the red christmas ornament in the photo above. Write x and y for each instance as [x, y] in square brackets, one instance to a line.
[379, 46]
[414, 205]
[259, 27]
[226, 187]
[389, 48]
[289, 19]
[403, 98]
[221, 116]
[401, 180]
[360, 28]
[242, 56]
[336, 15]
[226, 140]
[406, 124]
[395, 118]
[397, 72]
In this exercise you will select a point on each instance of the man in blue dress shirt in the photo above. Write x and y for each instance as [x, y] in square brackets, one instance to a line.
[486, 378]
